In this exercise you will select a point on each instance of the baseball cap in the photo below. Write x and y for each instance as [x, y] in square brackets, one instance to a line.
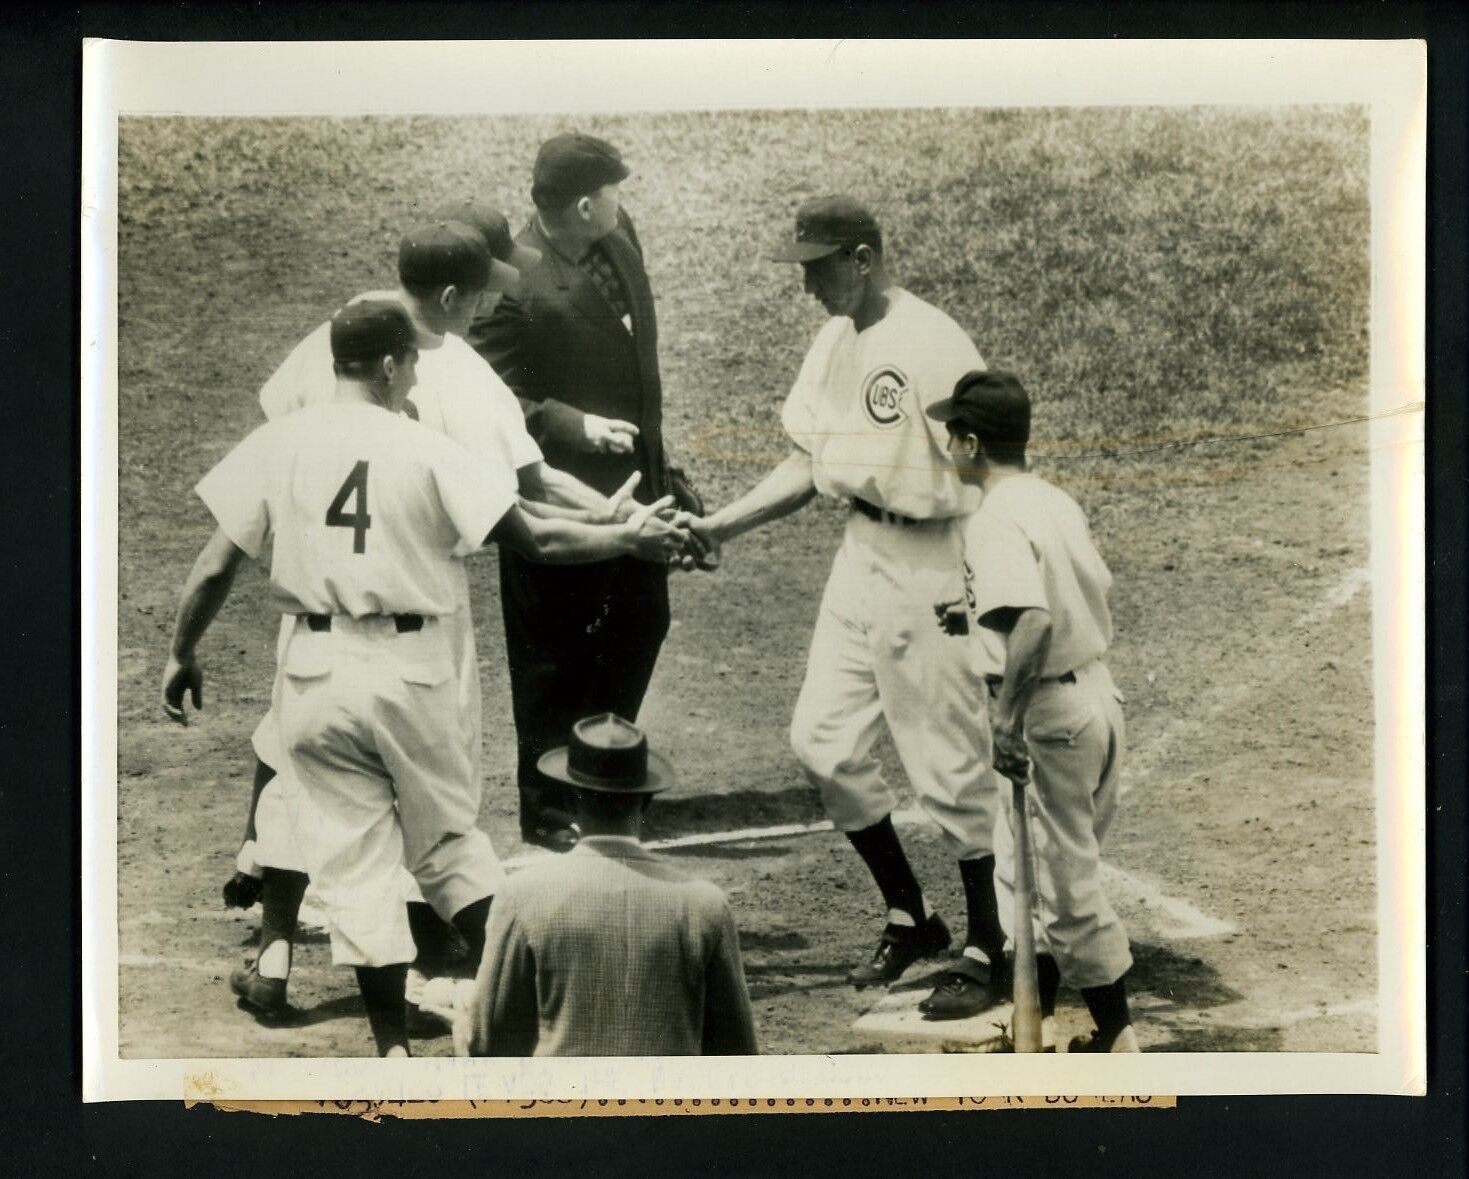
[444, 252]
[992, 404]
[574, 165]
[494, 228]
[371, 329]
[827, 224]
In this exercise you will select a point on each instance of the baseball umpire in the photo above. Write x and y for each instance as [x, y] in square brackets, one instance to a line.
[856, 418]
[578, 342]
[367, 516]
[1039, 581]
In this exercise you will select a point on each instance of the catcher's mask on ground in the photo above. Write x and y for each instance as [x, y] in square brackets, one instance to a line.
[608, 755]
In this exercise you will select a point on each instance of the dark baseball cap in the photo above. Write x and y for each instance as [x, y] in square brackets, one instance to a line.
[827, 224]
[444, 252]
[371, 329]
[993, 404]
[494, 228]
[571, 166]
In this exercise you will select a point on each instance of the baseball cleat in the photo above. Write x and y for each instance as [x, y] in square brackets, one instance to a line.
[241, 891]
[1125, 1041]
[968, 989]
[265, 995]
[899, 947]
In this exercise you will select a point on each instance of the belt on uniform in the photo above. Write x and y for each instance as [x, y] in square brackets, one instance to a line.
[883, 516]
[993, 682]
[406, 623]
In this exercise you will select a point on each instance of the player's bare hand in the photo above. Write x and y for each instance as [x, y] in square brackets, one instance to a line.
[953, 617]
[654, 537]
[180, 676]
[702, 551]
[622, 505]
[1012, 759]
[608, 435]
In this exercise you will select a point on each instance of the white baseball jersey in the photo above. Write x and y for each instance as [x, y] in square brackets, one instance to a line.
[857, 408]
[367, 511]
[458, 393]
[1030, 547]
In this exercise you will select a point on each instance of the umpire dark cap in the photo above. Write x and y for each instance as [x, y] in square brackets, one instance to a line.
[371, 329]
[609, 755]
[494, 228]
[827, 224]
[573, 165]
[994, 405]
[444, 252]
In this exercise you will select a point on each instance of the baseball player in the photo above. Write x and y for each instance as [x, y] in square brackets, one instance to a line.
[368, 516]
[1057, 715]
[856, 418]
[446, 274]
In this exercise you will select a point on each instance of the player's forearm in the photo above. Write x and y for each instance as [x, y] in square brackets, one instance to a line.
[564, 490]
[788, 487]
[547, 511]
[1025, 657]
[205, 591]
[562, 541]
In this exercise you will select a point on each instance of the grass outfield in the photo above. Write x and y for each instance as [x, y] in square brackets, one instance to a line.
[1155, 275]
[1151, 273]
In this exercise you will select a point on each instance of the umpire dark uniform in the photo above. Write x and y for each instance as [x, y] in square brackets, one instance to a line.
[579, 339]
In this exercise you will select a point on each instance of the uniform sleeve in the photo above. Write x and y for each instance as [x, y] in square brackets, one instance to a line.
[482, 414]
[305, 377]
[236, 492]
[504, 1015]
[1006, 572]
[949, 355]
[729, 1022]
[801, 413]
[475, 494]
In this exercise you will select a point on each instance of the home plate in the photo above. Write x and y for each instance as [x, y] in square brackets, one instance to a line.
[896, 1016]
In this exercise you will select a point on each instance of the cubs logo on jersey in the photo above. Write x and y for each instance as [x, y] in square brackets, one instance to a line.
[883, 394]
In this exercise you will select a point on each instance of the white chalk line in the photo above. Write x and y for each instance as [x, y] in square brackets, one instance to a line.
[1167, 916]
[1232, 692]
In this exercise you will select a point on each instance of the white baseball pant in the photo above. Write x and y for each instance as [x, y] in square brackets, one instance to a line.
[1076, 738]
[877, 652]
[370, 723]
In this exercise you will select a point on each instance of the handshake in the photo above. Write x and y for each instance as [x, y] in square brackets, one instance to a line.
[674, 523]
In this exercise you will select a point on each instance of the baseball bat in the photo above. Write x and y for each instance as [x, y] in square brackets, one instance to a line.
[1026, 1030]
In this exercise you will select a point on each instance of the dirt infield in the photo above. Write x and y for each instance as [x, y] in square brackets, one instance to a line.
[1241, 603]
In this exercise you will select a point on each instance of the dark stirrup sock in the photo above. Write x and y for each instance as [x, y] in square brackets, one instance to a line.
[1108, 1006]
[263, 775]
[434, 939]
[280, 905]
[383, 995]
[470, 921]
[985, 932]
[883, 854]
[1048, 978]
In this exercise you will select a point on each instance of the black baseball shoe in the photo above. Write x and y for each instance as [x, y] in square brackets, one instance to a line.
[241, 891]
[969, 988]
[265, 995]
[899, 947]
[1123, 1041]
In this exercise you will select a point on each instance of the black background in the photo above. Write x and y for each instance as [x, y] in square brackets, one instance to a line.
[44, 1124]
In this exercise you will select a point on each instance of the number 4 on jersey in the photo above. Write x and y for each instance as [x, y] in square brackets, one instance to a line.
[358, 521]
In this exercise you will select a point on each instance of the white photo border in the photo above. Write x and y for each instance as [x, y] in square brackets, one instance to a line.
[446, 78]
